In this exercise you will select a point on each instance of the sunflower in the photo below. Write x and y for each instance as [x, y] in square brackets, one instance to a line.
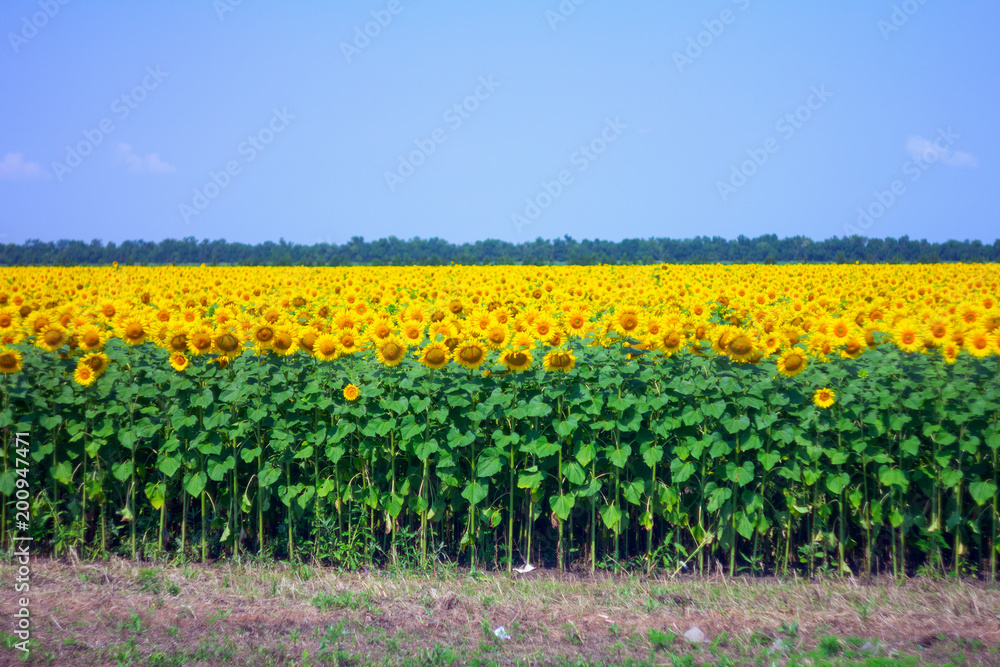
[522, 341]
[516, 360]
[434, 355]
[325, 348]
[390, 351]
[853, 346]
[792, 362]
[380, 329]
[133, 331]
[52, 337]
[285, 342]
[90, 337]
[199, 341]
[907, 336]
[671, 342]
[627, 321]
[950, 352]
[470, 354]
[824, 397]
[98, 362]
[8, 318]
[938, 331]
[351, 392]
[307, 338]
[84, 375]
[741, 347]
[977, 343]
[225, 343]
[177, 341]
[559, 361]
[179, 361]
[413, 333]
[11, 361]
[347, 342]
[577, 322]
[262, 335]
[542, 327]
[496, 336]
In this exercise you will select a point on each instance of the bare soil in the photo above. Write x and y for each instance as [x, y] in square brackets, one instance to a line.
[123, 612]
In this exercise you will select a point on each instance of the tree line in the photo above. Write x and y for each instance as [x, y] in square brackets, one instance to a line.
[767, 249]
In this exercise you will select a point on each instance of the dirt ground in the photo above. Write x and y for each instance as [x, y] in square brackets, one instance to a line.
[128, 613]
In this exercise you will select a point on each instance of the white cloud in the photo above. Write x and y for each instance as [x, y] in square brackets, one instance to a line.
[930, 151]
[139, 164]
[13, 167]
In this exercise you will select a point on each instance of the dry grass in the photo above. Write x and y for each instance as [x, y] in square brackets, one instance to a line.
[123, 612]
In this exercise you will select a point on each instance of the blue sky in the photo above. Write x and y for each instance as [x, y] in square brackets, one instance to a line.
[311, 121]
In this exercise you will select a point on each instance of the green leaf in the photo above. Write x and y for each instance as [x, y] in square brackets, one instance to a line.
[122, 470]
[475, 492]
[836, 483]
[652, 454]
[530, 478]
[633, 491]
[619, 457]
[736, 425]
[156, 493]
[574, 472]
[681, 471]
[426, 448]
[611, 516]
[562, 505]
[743, 525]
[741, 475]
[169, 465]
[718, 498]
[268, 476]
[488, 464]
[62, 472]
[768, 459]
[983, 491]
[194, 483]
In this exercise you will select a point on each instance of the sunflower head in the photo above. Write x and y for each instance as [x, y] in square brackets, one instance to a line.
[470, 354]
[179, 361]
[559, 361]
[199, 341]
[52, 337]
[98, 362]
[11, 361]
[351, 392]
[133, 331]
[792, 362]
[435, 355]
[325, 347]
[390, 351]
[84, 375]
[824, 397]
[516, 360]
[227, 344]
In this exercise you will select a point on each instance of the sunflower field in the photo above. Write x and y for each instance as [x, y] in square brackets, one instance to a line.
[757, 419]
